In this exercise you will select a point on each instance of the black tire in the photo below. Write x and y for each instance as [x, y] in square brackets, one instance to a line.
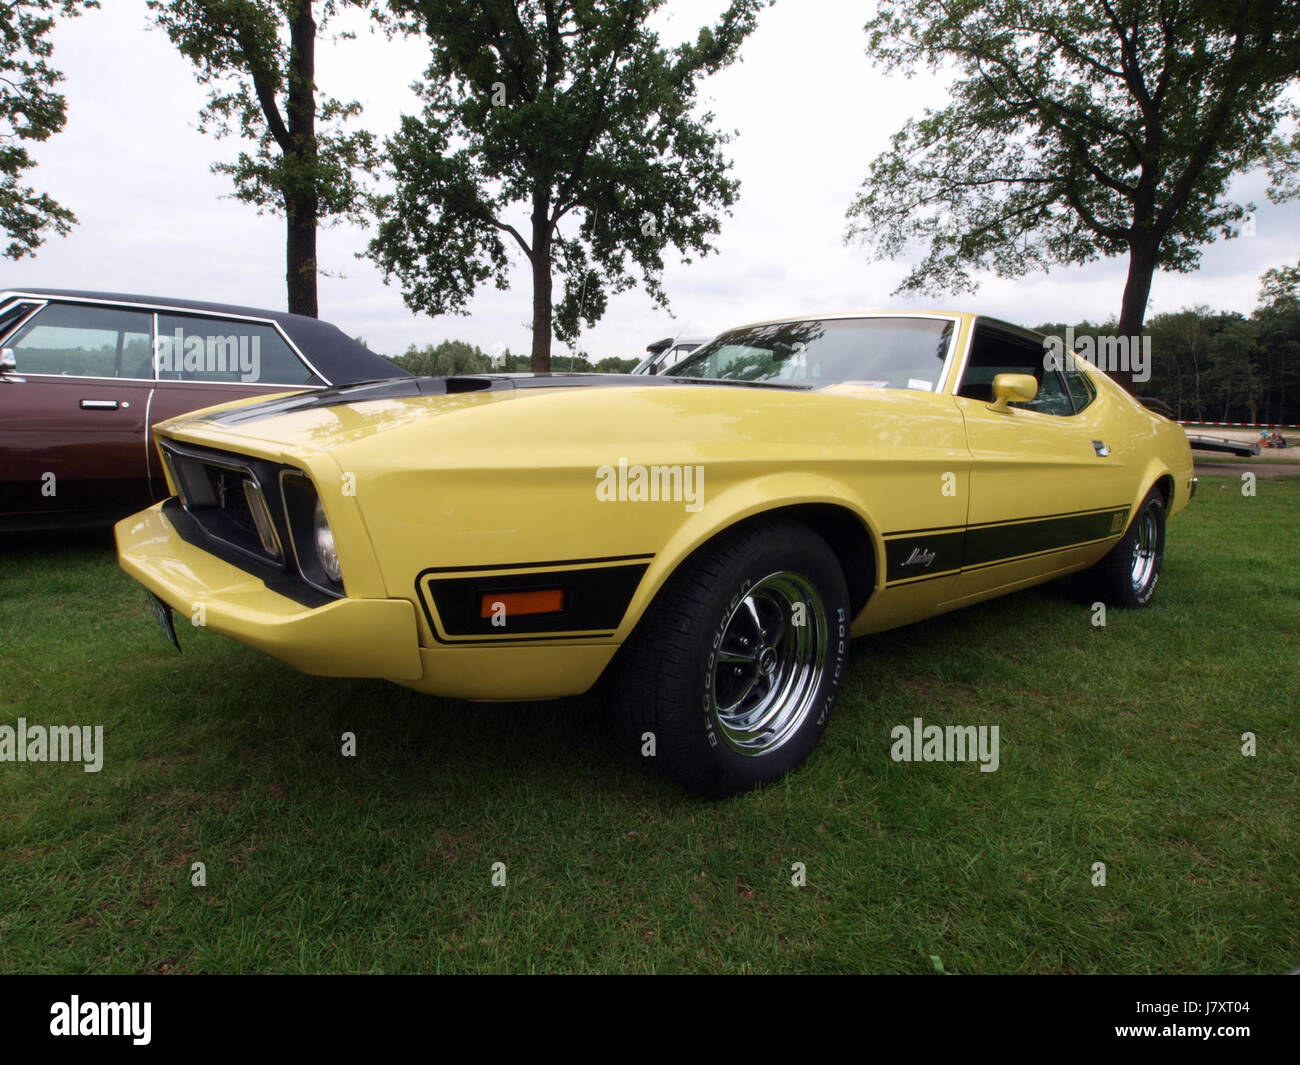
[1127, 576]
[690, 677]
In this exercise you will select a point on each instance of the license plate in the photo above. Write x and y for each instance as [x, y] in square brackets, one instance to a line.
[163, 615]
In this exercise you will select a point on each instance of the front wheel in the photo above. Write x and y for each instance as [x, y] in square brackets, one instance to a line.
[1127, 576]
[729, 679]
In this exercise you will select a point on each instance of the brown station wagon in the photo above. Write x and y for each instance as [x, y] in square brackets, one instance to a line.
[84, 377]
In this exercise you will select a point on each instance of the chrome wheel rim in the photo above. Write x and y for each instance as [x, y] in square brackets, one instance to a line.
[768, 666]
[1145, 542]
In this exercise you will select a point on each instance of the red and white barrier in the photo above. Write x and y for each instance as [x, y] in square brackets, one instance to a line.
[1247, 425]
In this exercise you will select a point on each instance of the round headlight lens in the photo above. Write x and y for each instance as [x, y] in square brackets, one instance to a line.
[325, 552]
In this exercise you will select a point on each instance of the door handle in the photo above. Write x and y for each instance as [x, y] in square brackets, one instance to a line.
[99, 404]
[1101, 449]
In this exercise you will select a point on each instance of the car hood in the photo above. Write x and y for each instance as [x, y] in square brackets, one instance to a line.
[533, 426]
[327, 419]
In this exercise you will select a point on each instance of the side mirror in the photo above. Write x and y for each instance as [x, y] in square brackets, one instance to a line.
[1013, 388]
[8, 364]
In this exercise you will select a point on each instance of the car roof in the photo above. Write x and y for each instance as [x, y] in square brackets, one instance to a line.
[335, 354]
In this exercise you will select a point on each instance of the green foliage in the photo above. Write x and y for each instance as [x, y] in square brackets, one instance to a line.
[1283, 162]
[1219, 366]
[457, 357]
[241, 49]
[30, 110]
[446, 359]
[1280, 286]
[573, 112]
[1077, 130]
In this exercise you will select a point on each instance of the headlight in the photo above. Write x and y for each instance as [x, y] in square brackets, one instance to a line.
[324, 539]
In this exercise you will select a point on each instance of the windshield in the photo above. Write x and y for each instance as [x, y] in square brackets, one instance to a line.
[886, 352]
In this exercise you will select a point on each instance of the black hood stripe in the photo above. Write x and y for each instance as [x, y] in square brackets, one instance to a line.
[407, 387]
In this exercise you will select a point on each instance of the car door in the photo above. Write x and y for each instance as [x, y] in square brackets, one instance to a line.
[73, 411]
[1046, 491]
[205, 360]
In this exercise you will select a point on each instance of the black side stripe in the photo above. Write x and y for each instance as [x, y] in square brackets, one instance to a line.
[923, 554]
[997, 543]
[927, 555]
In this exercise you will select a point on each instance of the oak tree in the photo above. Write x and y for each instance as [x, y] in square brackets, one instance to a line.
[31, 110]
[259, 56]
[1077, 129]
[562, 128]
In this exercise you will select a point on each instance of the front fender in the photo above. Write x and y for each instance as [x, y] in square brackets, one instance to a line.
[737, 503]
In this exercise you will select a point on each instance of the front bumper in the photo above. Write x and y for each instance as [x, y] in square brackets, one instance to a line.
[345, 638]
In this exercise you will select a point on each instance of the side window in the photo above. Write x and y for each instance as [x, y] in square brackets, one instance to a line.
[1081, 390]
[1052, 397]
[191, 348]
[993, 353]
[80, 340]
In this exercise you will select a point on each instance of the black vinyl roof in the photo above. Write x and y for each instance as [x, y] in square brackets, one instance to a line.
[340, 358]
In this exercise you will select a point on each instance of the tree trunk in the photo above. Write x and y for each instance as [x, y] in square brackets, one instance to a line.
[541, 263]
[300, 257]
[302, 208]
[1268, 391]
[1137, 289]
[1196, 372]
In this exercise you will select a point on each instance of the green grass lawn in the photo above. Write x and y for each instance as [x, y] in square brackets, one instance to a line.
[1119, 745]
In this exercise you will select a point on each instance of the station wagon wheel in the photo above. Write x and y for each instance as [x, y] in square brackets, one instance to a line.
[729, 679]
[1128, 574]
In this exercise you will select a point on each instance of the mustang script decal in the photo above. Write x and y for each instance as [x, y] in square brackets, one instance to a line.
[920, 557]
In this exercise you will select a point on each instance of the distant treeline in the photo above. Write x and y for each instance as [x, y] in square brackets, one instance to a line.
[457, 357]
[1214, 366]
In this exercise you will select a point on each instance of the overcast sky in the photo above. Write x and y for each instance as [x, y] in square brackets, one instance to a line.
[809, 110]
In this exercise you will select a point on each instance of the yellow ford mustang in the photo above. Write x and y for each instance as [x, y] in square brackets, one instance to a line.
[713, 537]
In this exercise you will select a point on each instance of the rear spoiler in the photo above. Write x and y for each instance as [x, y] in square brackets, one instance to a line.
[1157, 405]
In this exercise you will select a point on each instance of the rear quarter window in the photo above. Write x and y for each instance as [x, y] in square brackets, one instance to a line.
[227, 350]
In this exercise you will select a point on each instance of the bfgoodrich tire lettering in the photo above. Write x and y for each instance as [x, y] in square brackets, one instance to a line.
[735, 667]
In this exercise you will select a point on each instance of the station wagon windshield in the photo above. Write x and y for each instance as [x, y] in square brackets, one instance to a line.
[884, 352]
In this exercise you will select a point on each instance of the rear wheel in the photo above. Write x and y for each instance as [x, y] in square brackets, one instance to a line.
[1127, 576]
[729, 679]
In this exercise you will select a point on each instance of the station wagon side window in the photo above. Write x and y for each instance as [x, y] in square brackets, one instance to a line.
[994, 352]
[198, 348]
[82, 340]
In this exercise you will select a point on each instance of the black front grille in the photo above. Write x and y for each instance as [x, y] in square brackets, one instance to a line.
[212, 490]
[228, 487]
[213, 487]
